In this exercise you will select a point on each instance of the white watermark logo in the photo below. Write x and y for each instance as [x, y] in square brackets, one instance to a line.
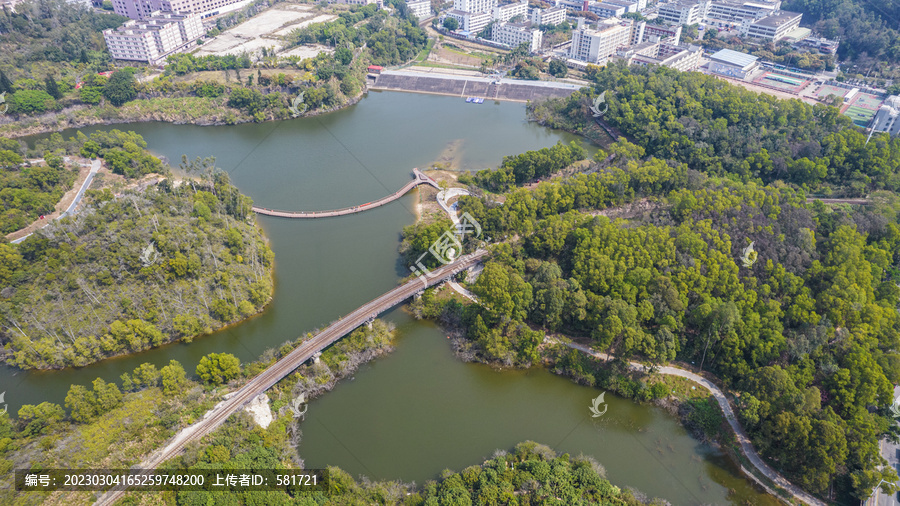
[595, 406]
[4, 107]
[298, 401]
[895, 407]
[749, 256]
[448, 246]
[295, 106]
[149, 256]
[600, 100]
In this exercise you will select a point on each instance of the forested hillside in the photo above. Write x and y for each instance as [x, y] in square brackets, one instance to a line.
[722, 129]
[807, 334]
[133, 272]
[803, 325]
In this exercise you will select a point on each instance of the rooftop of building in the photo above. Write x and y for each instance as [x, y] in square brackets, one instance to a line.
[681, 4]
[797, 34]
[736, 58]
[739, 3]
[776, 20]
[892, 101]
[524, 25]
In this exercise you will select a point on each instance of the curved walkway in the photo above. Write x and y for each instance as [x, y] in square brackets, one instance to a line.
[418, 178]
[742, 437]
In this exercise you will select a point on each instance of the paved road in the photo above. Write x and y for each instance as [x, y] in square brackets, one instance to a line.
[418, 178]
[265, 380]
[742, 437]
[95, 166]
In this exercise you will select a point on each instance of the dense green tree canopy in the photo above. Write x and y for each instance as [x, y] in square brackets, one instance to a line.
[218, 368]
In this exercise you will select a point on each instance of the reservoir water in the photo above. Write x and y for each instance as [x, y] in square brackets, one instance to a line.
[419, 410]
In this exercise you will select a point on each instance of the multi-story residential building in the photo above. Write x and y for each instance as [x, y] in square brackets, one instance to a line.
[470, 21]
[683, 12]
[141, 9]
[553, 16]
[358, 2]
[628, 4]
[474, 5]
[420, 8]
[597, 45]
[472, 15]
[774, 27]
[514, 34]
[723, 12]
[507, 11]
[683, 58]
[153, 38]
[663, 32]
[607, 10]
[887, 119]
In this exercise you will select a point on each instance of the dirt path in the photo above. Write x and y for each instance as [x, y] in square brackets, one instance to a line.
[743, 439]
[61, 206]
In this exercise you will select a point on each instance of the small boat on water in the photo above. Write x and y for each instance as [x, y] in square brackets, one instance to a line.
[474, 100]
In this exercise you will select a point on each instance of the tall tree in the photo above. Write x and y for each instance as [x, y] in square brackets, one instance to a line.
[52, 88]
[6, 86]
[120, 88]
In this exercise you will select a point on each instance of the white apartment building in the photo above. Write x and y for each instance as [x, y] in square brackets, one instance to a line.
[470, 21]
[683, 12]
[628, 4]
[420, 8]
[774, 27]
[683, 58]
[357, 2]
[597, 45]
[553, 16]
[607, 10]
[887, 119]
[474, 5]
[730, 12]
[513, 34]
[152, 39]
[141, 9]
[503, 13]
[644, 32]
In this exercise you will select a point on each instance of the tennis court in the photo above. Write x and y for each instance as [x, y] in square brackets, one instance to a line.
[827, 89]
[860, 115]
[781, 82]
[867, 101]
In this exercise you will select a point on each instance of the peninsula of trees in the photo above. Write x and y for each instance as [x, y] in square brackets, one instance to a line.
[135, 270]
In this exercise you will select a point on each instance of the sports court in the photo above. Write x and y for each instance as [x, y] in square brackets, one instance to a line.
[861, 108]
[827, 89]
[779, 81]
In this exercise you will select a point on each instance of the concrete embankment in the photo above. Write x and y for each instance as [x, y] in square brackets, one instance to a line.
[464, 86]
